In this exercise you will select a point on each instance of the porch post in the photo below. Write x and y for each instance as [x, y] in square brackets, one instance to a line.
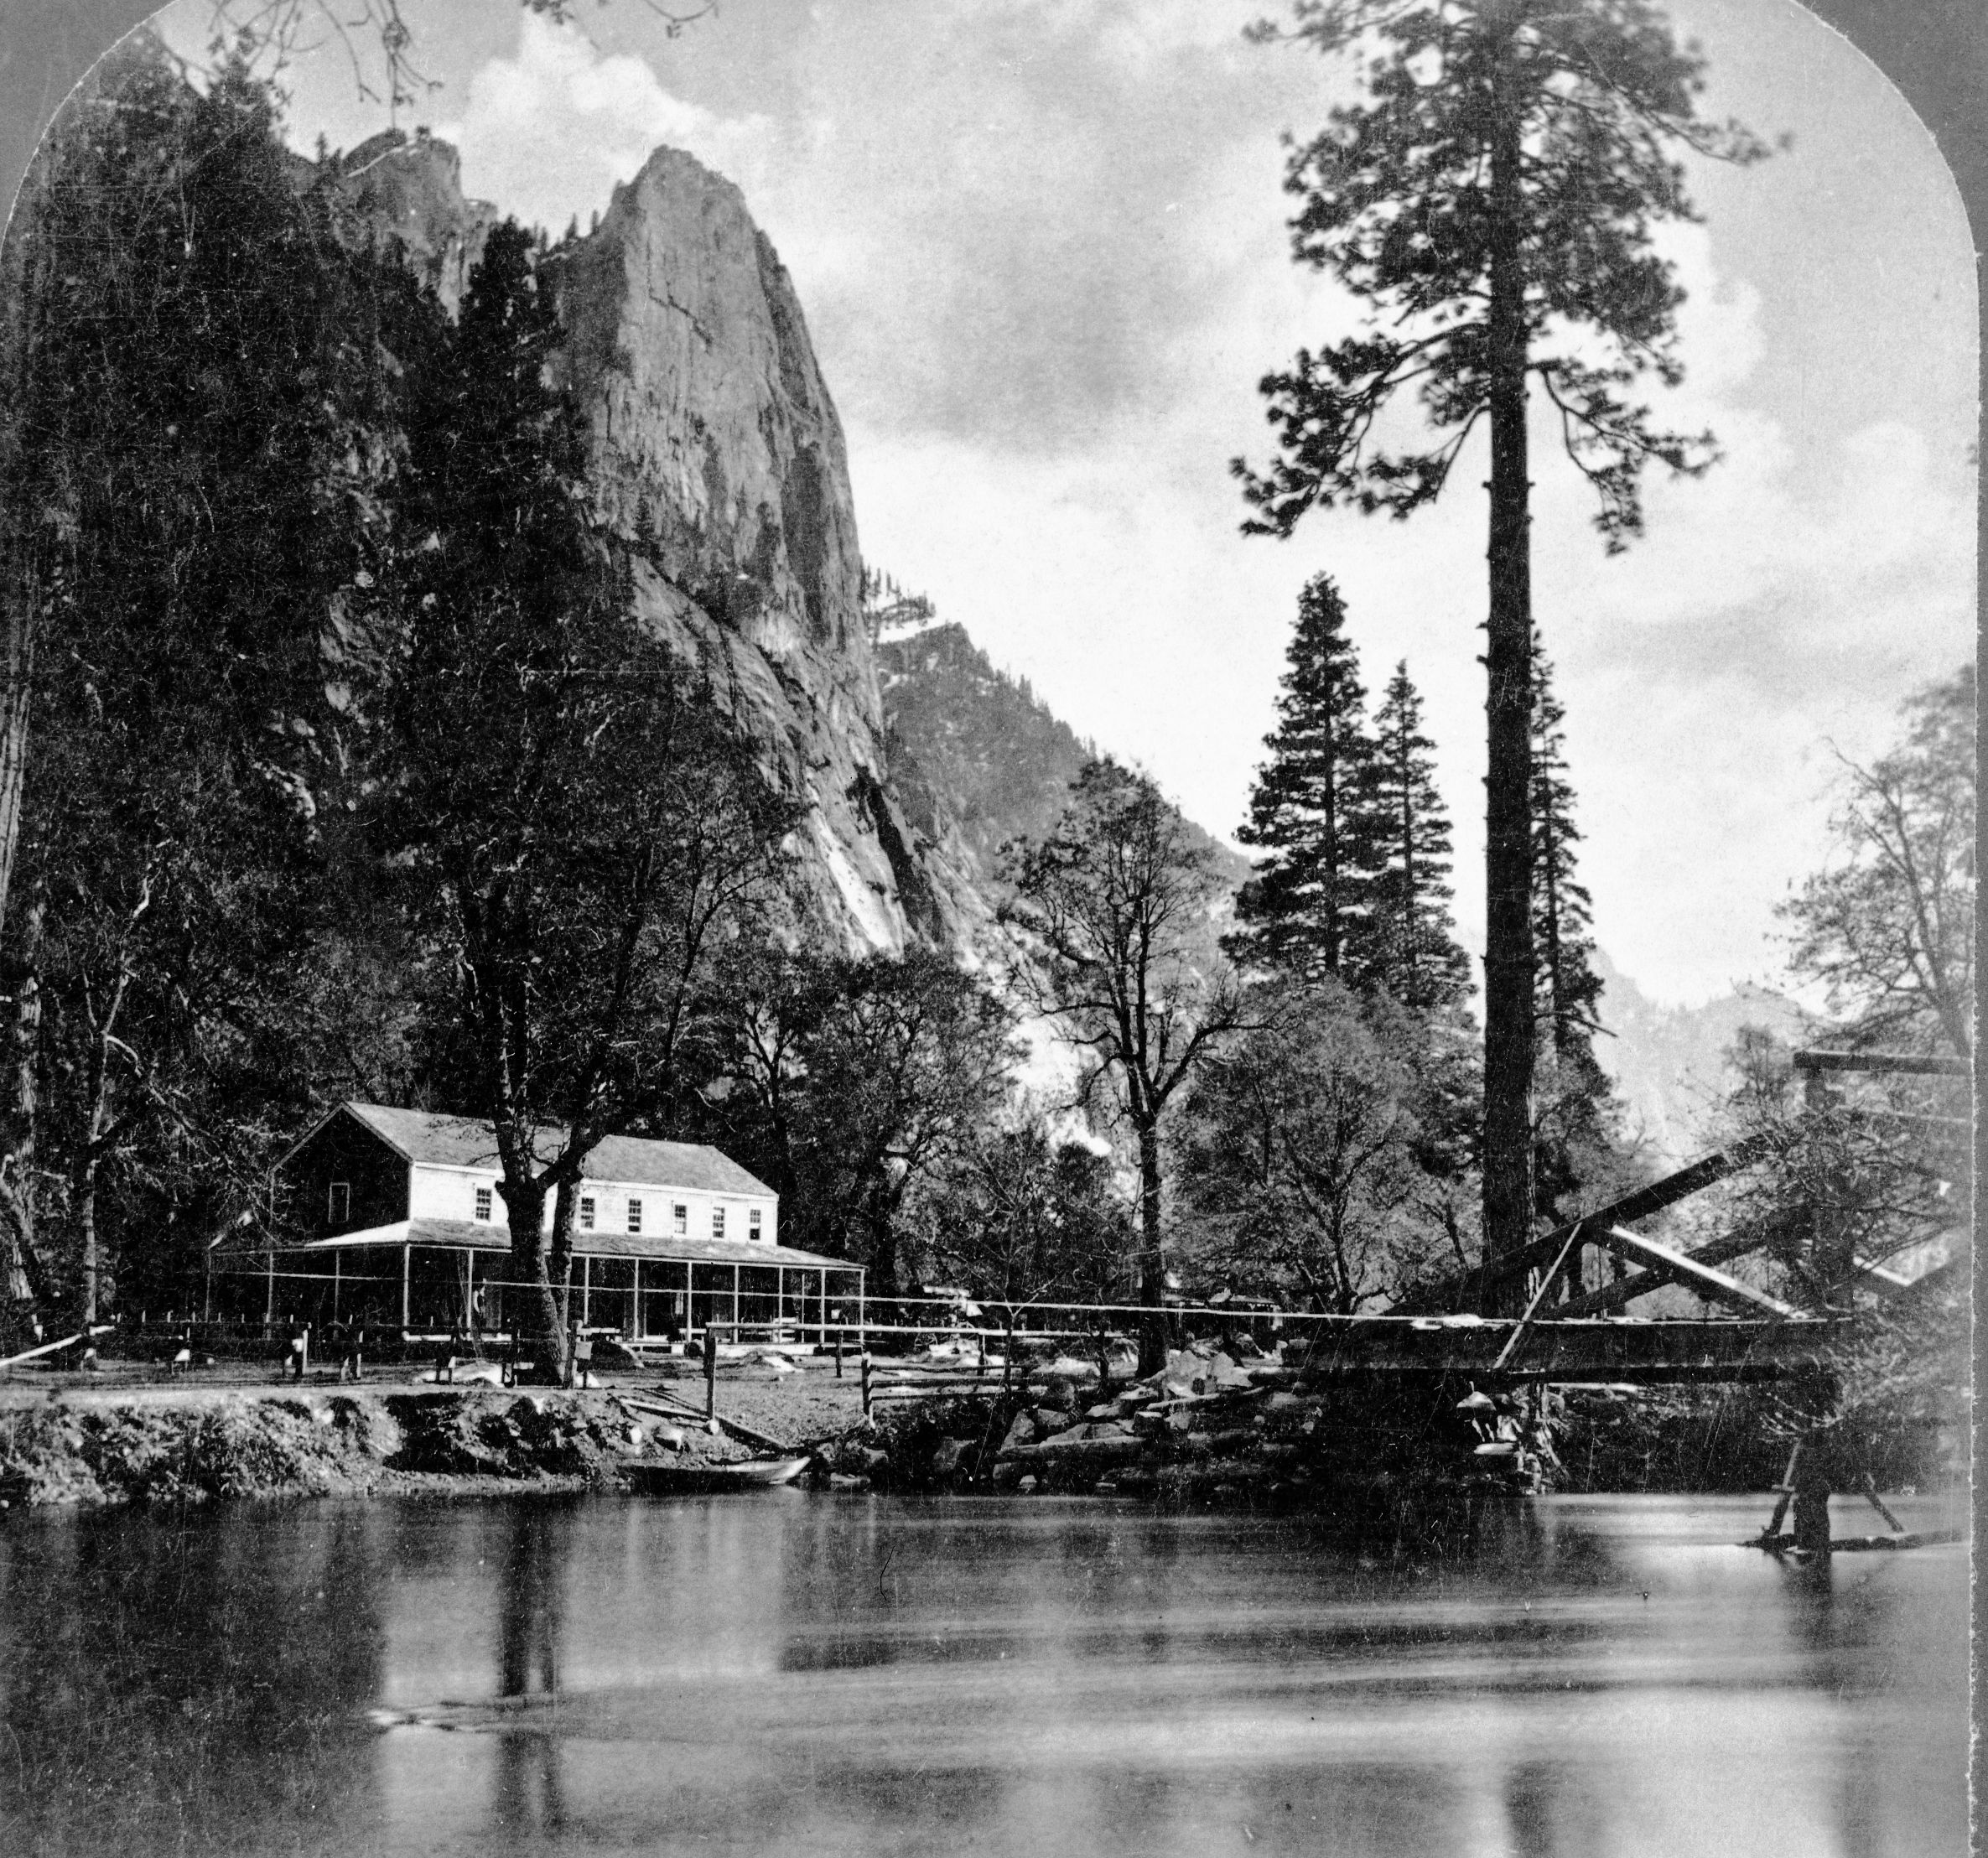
[407, 1272]
[269, 1302]
[779, 1285]
[337, 1277]
[734, 1303]
[821, 1334]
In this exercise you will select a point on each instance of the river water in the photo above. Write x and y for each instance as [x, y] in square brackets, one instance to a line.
[787, 1672]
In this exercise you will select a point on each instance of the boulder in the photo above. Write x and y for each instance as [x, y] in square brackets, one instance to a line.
[946, 1459]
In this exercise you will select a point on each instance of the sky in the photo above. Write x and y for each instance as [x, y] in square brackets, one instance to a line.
[1041, 248]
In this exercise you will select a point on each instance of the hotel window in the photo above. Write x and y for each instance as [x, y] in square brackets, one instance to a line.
[483, 1202]
[341, 1207]
[752, 1224]
[680, 1218]
[586, 1212]
[635, 1215]
[717, 1223]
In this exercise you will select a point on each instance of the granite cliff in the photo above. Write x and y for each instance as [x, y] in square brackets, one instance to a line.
[719, 460]
[412, 191]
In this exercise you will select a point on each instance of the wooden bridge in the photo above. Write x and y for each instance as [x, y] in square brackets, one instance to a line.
[1562, 1350]
[1565, 1332]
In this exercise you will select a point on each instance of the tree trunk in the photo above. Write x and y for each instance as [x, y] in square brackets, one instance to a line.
[524, 1207]
[1152, 1254]
[24, 592]
[1509, 1018]
[25, 1280]
[89, 1162]
[85, 1214]
[17, 680]
[878, 1216]
[559, 1274]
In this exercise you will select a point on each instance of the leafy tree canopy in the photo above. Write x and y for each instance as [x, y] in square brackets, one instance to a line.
[1888, 928]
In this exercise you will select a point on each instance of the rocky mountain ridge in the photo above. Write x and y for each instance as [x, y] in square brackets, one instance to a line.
[1668, 1063]
[976, 756]
[718, 460]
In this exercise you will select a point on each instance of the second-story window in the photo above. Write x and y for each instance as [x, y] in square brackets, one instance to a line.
[680, 1219]
[717, 1223]
[586, 1212]
[635, 1215]
[341, 1207]
[752, 1224]
[483, 1202]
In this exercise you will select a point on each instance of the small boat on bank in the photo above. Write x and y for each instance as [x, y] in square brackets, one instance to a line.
[657, 1480]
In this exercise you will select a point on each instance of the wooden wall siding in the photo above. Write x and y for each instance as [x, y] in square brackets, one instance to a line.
[450, 1193]
[342, 1150]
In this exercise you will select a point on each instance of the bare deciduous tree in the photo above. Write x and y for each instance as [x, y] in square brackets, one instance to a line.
[1118, 902]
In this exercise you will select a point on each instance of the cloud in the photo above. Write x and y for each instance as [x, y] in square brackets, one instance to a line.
[547, 133]
[1040, 244]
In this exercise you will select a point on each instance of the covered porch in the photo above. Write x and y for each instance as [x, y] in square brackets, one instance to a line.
[433, 1279]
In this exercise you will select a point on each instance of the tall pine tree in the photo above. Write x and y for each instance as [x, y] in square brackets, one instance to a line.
[1416, 956]
[1568, 992]
[1490, 202]
[1308, 909]
[1576, 1132]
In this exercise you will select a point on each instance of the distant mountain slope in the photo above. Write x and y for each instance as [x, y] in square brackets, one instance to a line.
[970, 748]
[965, 738]
[1669, 1062]
[976, 759]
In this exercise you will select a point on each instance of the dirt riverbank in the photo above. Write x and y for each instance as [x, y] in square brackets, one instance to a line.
[122, 1439]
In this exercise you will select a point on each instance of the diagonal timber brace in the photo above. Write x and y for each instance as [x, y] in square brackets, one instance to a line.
[1613, 1296]
[1460, 1290]
[1662, 1263]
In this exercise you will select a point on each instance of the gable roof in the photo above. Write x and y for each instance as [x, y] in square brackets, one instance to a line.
[430, 1139]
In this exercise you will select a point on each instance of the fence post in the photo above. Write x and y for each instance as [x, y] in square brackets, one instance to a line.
[866, 1383]
[838, 1354]
[710, 1371]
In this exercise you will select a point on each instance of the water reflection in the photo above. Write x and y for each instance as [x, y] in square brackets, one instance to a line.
[528, 1797]
[789, 1674]
[174, 1682]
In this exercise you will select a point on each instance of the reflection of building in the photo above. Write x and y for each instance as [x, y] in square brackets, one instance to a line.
[394, 1217]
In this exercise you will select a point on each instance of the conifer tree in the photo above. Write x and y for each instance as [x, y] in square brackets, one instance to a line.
[189, 438]
[1577, 1115]
[576, 827]
[1417, 957]
[1569, 991]
[1307, 910]
[1490, 201]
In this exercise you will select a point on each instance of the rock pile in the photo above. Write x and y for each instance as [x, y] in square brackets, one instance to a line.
[1243, 1430]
